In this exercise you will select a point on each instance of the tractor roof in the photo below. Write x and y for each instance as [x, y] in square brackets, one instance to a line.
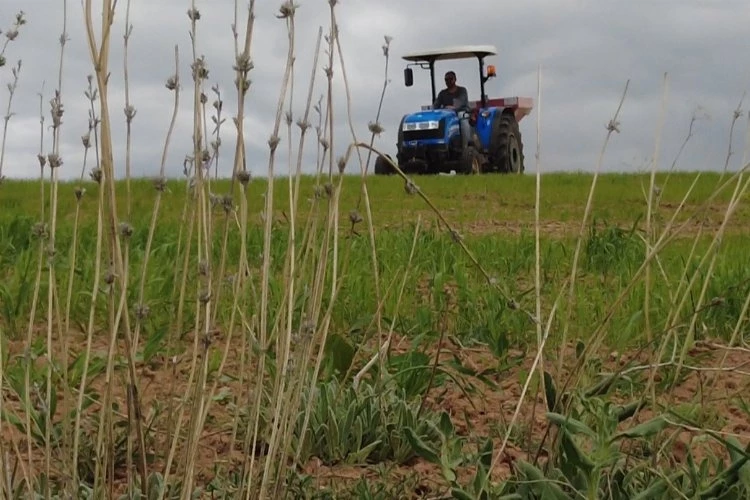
[455, 52]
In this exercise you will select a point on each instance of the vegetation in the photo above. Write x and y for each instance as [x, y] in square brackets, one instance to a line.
[333, 336]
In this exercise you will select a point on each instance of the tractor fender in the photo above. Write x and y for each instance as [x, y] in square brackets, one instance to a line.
[485, 119]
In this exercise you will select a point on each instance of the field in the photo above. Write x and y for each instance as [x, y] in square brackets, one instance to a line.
[338, 335]
[638, 391]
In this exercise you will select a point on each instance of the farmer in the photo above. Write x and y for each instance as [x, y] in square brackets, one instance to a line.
[457, 98]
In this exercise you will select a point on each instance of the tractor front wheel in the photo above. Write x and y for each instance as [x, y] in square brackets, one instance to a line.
[383, 167]
[506, 147]
[470, 161]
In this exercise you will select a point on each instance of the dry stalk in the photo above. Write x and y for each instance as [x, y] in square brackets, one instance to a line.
[100, 60]
[10, 35]
[129, 111]
[612, 126]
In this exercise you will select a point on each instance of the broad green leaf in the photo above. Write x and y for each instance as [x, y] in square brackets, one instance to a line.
[575, 455]
[445, 425]
[646, 429]
[538, 483]
[420, 447]
[360, 456]
[460, 494]
[571, 424]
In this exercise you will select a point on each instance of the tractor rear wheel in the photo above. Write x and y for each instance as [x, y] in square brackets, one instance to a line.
[506, 146]
[383, 167]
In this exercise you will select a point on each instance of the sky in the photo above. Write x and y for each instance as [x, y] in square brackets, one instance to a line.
[582, 51]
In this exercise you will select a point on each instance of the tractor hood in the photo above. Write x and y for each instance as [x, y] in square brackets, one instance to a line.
[425, 120]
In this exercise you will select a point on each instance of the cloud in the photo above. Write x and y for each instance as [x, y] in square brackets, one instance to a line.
[586, 50]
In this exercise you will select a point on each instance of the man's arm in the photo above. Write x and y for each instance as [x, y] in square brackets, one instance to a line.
[461, 101]
[438, 100]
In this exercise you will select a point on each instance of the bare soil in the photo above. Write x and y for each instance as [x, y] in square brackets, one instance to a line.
[715, 380]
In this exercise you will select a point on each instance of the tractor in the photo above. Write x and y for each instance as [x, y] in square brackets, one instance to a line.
[430, 140]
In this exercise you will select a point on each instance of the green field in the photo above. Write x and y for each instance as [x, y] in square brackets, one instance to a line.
[644, 386]
[342, 336]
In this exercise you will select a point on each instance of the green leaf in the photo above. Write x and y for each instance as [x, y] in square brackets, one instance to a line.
[420, 447]
[646, 429]
[360, 456]
[340, 353]
[445, 425]
[550, 391]
[656, 490]
[539, 484]
[460, 494]
[571, 424]
[575, 456]
[580, 347]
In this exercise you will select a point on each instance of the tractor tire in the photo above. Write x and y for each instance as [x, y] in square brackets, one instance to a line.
[383, 167]
[471, 162]
[506, 146]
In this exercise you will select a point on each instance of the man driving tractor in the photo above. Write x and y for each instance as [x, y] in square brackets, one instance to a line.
[457, 98]
[452, 96]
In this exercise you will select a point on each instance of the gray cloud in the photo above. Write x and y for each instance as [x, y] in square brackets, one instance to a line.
[586, 49]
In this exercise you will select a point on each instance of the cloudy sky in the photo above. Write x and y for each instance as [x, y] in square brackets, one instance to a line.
[587, 50]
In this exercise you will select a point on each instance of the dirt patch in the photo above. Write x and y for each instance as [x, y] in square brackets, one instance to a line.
[716, 379]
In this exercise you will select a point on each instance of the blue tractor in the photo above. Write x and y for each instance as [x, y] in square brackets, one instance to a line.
[430, 141]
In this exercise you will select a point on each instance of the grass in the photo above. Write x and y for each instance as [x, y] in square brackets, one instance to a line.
[332, 335]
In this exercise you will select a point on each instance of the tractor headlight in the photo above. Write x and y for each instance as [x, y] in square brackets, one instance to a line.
[426, 125]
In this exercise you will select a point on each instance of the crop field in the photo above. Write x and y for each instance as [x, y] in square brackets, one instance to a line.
[337, 334]
[641, 381]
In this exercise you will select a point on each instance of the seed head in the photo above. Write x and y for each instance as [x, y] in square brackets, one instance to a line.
[129, 113]
[204, 297]
[242, 84]
[126, 230]
[244, 177]
[160, 184]
[142, 311]
[273, 142]
[341, 163]
[387, 45]
[171, 82]
[355, 217]
[375, 128]
[42, 160]
[287, 10]
[79, 192]
[410, 187]
[40, 231]
[86, 141]
[194, 14]
[200, 71]
[54, 160]
[203, 267]
[96, 175]
[303, 125]
[243, 64]
[109, 277]
[227, 203]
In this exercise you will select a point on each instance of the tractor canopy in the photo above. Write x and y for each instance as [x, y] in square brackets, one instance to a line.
[455, 52]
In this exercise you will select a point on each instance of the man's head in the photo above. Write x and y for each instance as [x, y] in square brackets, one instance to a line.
[450, 79]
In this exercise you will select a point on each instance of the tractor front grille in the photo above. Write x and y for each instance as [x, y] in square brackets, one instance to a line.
[422, 135]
